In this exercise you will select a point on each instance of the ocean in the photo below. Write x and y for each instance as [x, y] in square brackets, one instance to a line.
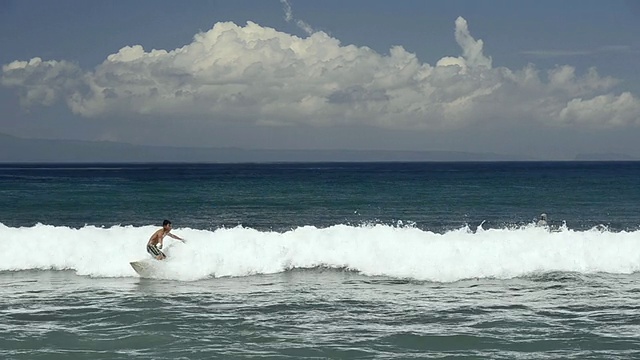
[321, 260]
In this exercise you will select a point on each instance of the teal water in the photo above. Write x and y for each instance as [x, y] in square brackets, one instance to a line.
[318, 314]
[345, 261]
[438, 196]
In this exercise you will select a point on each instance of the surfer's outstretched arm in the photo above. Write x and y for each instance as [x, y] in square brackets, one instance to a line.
[176, 237]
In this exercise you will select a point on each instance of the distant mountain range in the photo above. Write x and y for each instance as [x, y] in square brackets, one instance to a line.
[605, 157]
[20, 150]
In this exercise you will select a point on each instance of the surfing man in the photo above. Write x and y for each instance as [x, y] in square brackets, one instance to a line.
[543, 220]
[155, 242]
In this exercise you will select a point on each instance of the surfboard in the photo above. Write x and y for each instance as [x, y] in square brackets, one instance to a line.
[144, 268]
[149, 267]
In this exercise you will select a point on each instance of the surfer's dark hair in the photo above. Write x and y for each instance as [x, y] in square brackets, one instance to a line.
[166, 222]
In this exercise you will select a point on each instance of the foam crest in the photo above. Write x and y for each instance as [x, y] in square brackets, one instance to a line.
[378, 250]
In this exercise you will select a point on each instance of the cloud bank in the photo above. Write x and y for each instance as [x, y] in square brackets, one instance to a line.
[257, 74]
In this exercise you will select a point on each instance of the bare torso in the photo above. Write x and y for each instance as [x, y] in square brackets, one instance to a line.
[157, 237]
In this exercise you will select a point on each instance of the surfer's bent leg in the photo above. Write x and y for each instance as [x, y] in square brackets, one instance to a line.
[155, 252]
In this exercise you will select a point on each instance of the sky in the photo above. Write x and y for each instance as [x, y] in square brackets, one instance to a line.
[537, 79]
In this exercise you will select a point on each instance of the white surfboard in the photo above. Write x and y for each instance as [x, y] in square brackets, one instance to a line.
[145, 268]
[151, 268]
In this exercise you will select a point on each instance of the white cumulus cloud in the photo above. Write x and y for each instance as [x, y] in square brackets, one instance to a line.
[257, 74]
[42, 82]
[623, 109]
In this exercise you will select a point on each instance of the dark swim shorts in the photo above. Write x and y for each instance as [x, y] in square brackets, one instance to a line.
[154, 251]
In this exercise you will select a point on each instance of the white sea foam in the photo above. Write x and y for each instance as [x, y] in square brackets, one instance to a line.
[401, 252]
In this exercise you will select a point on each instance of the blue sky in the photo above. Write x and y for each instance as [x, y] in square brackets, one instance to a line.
[547, 79]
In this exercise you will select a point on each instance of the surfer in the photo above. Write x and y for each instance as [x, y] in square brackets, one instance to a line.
[155, 242]
[543, 220]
